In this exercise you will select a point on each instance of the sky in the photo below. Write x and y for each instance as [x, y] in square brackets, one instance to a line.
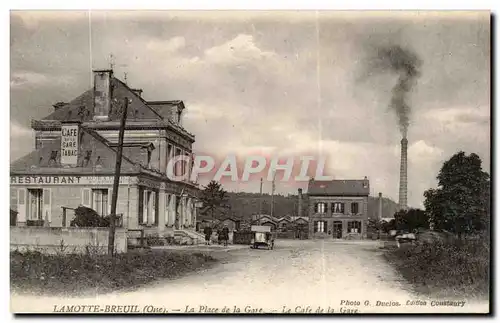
[276, 83]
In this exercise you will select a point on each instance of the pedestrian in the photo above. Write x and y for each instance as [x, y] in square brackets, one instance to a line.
[208, 233]
[225, 234]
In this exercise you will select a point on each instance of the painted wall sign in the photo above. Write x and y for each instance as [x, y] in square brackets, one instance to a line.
[69, 145]
[69, 180]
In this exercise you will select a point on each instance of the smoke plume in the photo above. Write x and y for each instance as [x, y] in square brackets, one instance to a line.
[405, 64]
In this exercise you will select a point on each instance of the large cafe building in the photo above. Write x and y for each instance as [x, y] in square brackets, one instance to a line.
[74, 160]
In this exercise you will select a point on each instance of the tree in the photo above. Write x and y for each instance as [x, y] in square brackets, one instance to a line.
[215, 200]
[411, 220]
[461, 203]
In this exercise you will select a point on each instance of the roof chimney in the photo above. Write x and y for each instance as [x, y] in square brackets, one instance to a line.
[102, 94]
[365, 182]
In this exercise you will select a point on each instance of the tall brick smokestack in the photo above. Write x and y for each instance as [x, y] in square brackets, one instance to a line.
[299, 211]
[403, 175]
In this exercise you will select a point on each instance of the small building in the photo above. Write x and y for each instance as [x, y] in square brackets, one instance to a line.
[338, 209]
[73, 163]
[284, 223]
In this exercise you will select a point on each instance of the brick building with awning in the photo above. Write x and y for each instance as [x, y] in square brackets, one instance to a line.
[74, 159]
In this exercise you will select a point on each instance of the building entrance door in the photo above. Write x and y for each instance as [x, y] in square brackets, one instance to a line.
[337, 230]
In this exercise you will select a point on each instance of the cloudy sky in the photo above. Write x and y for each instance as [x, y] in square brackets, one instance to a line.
[274, 83]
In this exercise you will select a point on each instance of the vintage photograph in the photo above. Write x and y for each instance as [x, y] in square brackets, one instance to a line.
[250, 162]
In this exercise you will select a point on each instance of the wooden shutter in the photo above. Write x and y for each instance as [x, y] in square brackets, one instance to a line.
[315, 226]
[154, 220]
[315, 207]
[326, 208]
[86, 197]
[13, 199]
[145, 205]
[21, 205]
[110, 195]
[167, 208]
[47, 199]
[326, 226]
[173, 201]
[342, 208]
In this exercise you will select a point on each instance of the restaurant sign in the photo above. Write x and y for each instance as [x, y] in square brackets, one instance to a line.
[67, 180]
[69, 145]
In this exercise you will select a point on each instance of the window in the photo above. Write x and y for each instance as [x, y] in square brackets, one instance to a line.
[147, 207]
[320, 226]
[354, 227]
[100, 201]
[354, 208]
[179, 164]
[35, 204]
[320, 208]
[338, 208]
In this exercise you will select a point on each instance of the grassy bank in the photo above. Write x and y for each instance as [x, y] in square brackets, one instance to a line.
[456, 269]
[72, 275]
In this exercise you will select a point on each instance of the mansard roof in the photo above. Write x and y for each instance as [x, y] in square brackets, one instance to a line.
[95, 155]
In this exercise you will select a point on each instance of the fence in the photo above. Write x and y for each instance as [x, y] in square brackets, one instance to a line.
[66, 240]
[242, 237]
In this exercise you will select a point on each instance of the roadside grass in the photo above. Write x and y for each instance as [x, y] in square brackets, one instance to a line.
[457, 269]
[73, 274]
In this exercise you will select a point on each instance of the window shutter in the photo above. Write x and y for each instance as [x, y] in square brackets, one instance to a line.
[154, 220]
[167, 208]
[21, 205]
[326, 207]
[173, 201]
[110, 194]
[342, 208]
[86, 195]
[145, 206]
[326, 226]
[315, 207]
[13, 199]
[47, 198]
[315, 226]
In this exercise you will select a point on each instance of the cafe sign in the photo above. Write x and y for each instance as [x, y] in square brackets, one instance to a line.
[69, 145]
[68, 180]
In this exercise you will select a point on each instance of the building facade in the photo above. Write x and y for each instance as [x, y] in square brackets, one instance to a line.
[74, 161]
[338, 209]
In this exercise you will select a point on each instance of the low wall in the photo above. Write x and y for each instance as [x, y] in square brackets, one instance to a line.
[66, 240]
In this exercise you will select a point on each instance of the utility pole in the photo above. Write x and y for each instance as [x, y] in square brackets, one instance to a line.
[260, 199]
[272, 195]
[116, 182]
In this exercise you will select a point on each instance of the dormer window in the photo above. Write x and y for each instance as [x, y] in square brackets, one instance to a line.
[86, 160]
[53, 158]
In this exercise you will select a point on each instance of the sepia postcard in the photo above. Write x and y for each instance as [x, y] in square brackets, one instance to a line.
[250, 162]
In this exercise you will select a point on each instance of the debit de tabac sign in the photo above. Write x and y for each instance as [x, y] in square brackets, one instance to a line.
[69, 144]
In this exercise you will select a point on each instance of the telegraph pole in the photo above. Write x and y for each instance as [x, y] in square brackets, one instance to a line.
[261, 197]
[116, 182]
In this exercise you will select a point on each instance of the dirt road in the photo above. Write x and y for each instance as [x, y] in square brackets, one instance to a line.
[297, 276]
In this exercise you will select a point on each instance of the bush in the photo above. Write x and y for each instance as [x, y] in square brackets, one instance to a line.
[445, 266]
[87, 217]
[73, 274]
